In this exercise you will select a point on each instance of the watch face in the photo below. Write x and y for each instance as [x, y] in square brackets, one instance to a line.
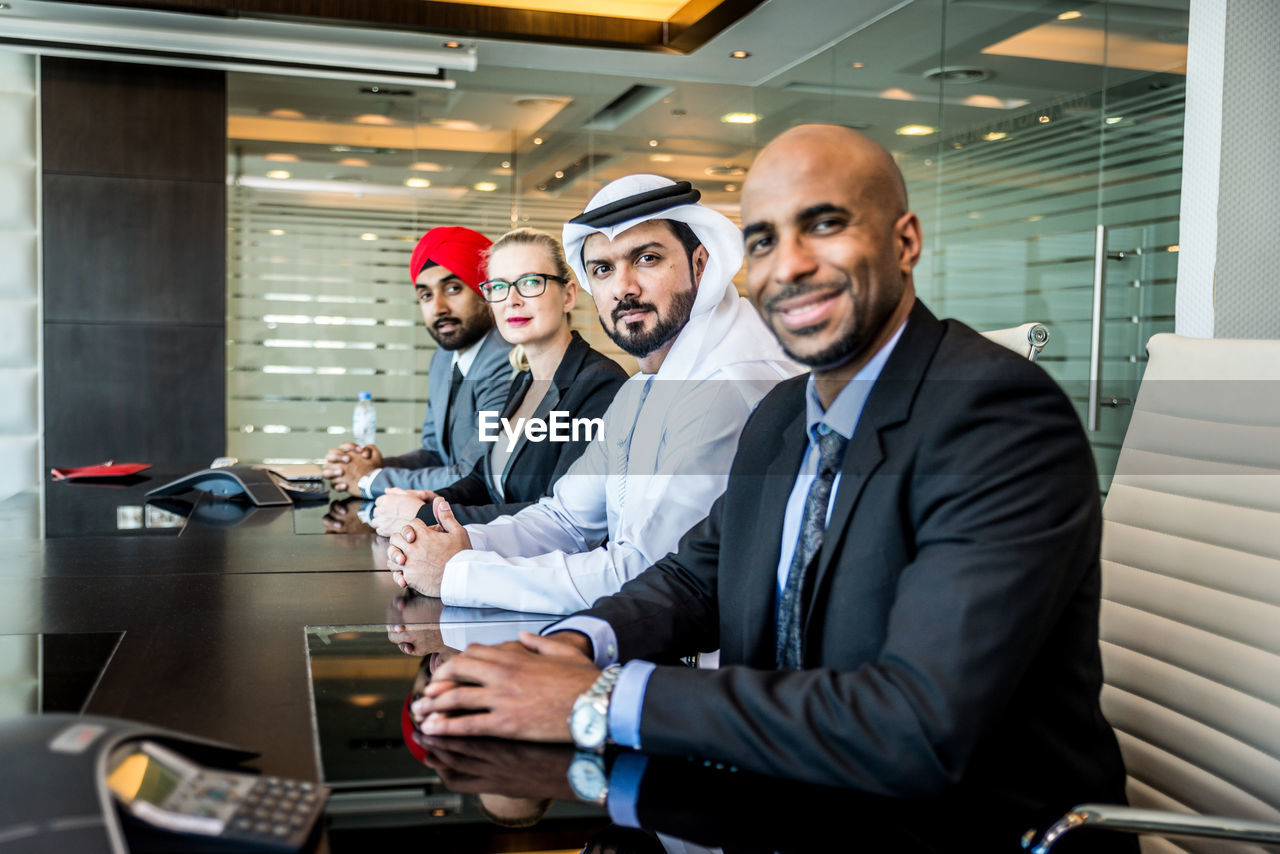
[586, 777]
[588, 726]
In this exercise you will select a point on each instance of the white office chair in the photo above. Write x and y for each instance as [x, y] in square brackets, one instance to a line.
[1191, 601]
[1028, 339]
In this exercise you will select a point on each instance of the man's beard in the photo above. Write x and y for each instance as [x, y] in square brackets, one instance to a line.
[641, 344]
[463, 336]
[849, 345]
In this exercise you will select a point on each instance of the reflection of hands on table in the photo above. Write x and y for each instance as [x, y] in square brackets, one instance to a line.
[521, 690]
[417, 553]
[515, 769]
[396, 507]
[347, 463]
[342, 518]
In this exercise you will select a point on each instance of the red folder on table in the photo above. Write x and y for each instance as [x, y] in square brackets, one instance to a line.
[108, 469]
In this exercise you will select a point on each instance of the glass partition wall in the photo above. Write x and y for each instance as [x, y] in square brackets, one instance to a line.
[1031, 133]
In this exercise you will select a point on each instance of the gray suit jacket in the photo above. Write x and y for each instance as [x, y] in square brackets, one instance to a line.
[437, 464]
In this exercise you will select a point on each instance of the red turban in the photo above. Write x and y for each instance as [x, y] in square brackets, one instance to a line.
[457, 249]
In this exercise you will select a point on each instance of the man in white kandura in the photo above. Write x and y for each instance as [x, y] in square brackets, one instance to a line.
[659, 267]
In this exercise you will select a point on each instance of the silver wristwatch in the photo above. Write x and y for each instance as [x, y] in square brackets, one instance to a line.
[589, 720]
[589, 778]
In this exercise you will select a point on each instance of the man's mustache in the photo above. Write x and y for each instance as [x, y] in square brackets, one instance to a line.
[791, 290]
[631, 305]
[441, 320]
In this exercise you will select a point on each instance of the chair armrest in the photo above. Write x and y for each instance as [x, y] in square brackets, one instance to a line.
[1159, 822]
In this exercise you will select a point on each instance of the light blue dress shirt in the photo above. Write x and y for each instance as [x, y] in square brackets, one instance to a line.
[842, 417]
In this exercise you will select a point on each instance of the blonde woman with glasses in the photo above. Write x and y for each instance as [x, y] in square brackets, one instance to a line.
[531, 291]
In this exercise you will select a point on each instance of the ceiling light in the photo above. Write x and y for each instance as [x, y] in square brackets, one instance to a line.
[353, 161]
[485, 186]
[1172, 248]
[653, 143]
[275, 232]
[957, 74]
[740, 54]
[731, 188]
[559, 173]
[460, 124]
[278, 174]
[1111, 120]
[740, 118]
[725, 170]
[992, 136]
[1071, 16]
[897, 94]
[1035, 218]
[661, 158]
[453, 45]
[1044, 120]
[368, 235]
[988, 102]
[417, 183]
[506, 164]
[373, 119]
[857, 65]
[915, 130]
[293, 158]
[537, 140]
[285, 113]
[426, 166]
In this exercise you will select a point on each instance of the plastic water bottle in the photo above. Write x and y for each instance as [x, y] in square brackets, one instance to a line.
[364, 420]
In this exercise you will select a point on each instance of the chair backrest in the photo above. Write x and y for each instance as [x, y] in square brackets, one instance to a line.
[1028, 339]
[1190, 623]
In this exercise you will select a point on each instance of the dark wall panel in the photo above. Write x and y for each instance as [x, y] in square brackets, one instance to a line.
[129, 250]
[134, 234]
[136, 121]
[136, 403]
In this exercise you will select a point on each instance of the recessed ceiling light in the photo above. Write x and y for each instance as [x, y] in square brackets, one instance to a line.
[278, 174]
[426, 166]
[725, 170]
[740, 54]
[957, 74]
[285, 113]
[275, 232]
[661, 158]
[485, 186]
[353, 161]
[276, 157]
[537, 140]
[559, 173]
[1044, 120]
[653, 143]
[1035, 218]
[506, 164]
[417, 183]
[857, 65]
[1071, 16]
[896, 93]
[740, 118]
[992, 136]
[731, 188]
[453, 45]
[1111, 120]
[373, 119]
[1172, 248]
[368, 235]
[915, 130]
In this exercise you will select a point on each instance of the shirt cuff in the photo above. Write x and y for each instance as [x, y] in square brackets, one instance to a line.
[365, 513]
[626, 702]
[624, 788]
[604, 643]
[366, 483]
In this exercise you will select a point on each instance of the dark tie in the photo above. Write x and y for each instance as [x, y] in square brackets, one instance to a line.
[812, 525]
[455, 383]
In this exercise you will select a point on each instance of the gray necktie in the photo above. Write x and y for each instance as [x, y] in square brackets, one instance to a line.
[812, 525]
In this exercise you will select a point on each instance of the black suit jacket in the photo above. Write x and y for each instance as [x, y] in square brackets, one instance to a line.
[584, 385]
[951, 639]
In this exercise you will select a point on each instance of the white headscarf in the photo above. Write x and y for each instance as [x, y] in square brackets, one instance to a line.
[723, 328]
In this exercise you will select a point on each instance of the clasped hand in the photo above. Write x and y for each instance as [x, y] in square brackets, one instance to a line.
[523, 689]
[396, 507]
[347, 463]
[418, 552]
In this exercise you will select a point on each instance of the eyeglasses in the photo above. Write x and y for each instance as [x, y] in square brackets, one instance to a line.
[529, 285]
